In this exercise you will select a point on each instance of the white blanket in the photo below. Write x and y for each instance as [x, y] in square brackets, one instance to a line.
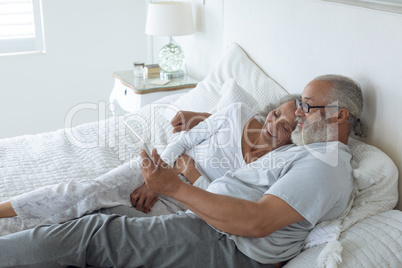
[83, 152]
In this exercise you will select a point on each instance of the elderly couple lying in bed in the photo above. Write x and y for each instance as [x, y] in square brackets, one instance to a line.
[247, 211]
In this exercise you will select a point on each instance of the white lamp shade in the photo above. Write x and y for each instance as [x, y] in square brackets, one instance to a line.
[169, 19]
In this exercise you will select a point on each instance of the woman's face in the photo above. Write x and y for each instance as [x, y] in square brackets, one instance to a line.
[279, 124]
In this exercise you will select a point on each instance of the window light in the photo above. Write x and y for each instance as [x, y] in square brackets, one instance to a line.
[21, 27]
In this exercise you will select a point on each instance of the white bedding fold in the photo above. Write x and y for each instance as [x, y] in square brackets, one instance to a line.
[78, 158]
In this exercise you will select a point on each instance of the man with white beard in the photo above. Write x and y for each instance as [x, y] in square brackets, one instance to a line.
[252, 217]
[325, 101]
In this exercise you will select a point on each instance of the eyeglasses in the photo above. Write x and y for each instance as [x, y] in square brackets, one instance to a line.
[306, 107]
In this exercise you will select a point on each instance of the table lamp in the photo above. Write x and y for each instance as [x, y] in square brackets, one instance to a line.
[170, 19]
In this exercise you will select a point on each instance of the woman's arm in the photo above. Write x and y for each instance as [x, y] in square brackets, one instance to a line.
[185, 166]
[196, 135]
[186, 120]
[228, 214]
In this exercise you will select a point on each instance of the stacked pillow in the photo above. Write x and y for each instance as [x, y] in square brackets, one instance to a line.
[235, 78]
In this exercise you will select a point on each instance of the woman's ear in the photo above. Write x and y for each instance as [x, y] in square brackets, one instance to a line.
[343, 115]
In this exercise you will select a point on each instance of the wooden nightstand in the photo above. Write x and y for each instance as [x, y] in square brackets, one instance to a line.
[131, 93]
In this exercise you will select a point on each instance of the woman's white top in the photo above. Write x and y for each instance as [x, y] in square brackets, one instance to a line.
[214, 144]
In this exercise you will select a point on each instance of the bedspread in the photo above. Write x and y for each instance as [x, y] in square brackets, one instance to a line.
[82, 152]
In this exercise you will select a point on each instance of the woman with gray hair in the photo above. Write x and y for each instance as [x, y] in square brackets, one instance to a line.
[227, 140]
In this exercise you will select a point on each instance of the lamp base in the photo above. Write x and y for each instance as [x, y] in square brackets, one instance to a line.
[167, 75]
[171, 60]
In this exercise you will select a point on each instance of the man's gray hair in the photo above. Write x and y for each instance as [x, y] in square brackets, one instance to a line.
[273, 105]
[349, 95]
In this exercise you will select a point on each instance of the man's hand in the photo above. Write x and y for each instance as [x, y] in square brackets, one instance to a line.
[143, 199]
[225, 213]
[159, 176]
[185, 166]
[186, 120]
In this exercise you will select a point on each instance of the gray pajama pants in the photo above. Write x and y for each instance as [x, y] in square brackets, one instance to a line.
[100, 240]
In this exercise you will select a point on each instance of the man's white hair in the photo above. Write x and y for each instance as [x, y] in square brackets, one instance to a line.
[349, 95]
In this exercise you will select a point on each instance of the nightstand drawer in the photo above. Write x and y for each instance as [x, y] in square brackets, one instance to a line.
[130, 94]
[125, 97]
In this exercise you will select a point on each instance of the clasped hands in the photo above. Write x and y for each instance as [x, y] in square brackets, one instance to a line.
[159, 177]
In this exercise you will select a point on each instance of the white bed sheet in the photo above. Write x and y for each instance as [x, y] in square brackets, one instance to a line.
[83, 152]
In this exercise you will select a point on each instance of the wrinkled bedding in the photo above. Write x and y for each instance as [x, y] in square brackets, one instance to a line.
[83, 152]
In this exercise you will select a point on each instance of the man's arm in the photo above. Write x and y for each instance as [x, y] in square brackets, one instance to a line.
[228, 214]
[238, 216]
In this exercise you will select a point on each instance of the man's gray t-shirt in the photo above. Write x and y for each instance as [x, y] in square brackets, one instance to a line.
[316, 180]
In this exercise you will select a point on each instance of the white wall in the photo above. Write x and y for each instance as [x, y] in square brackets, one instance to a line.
[297, 40]
[86, 40]
[204, 48]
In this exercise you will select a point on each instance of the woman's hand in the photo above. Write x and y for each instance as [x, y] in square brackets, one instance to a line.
[185, 166]
[186, 120]
[159, 176]
[143, 199]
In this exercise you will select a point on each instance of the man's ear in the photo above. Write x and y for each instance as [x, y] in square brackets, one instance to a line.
[343, 115]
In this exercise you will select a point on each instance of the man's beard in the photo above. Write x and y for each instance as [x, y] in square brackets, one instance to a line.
[319, 131]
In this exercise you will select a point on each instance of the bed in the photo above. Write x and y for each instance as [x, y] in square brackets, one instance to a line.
[90, 150]
[368, 234]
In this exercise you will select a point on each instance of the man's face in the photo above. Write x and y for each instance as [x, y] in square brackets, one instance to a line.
[316, 125]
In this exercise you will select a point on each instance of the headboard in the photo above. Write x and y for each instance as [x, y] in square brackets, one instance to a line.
[294, 41]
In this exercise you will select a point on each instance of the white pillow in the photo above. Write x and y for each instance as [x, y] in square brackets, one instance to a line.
[376, 179]
[375, 191]
[234, 64]
[372, 242]
[232, 93]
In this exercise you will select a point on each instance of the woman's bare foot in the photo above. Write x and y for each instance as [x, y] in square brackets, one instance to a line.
[6, 210]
